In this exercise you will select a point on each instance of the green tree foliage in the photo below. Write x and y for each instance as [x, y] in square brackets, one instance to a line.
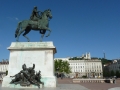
[105, 61]
[7, 72]
[84, 76]
[112, 73]
[117, 73]
[62, 66]
[76, 58]
[106, 73]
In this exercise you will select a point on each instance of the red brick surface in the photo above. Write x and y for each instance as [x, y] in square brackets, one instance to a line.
[91, 86]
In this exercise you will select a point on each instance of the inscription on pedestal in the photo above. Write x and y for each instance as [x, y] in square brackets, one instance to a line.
[31, 44]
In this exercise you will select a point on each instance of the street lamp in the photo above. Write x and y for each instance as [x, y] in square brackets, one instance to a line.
[57, 72]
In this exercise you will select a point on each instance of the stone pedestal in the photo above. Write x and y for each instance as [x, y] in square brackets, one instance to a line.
[39, 53]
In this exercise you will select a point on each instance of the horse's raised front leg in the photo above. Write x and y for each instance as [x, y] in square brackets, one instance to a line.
[48, 29]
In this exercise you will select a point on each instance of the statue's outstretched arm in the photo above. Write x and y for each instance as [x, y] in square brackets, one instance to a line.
[15, 75]
[12, 76]
[33, 66]
[20, 72]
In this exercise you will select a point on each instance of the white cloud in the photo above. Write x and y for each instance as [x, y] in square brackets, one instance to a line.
[13, 18]
[16, 18]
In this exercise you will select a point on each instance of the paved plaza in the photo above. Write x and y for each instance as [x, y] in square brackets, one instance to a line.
[92, 86]
[67, 84]
[59, 87]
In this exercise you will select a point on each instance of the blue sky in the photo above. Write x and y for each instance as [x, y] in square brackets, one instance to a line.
[78, 26]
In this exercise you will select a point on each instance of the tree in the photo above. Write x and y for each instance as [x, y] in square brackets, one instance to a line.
[7, 72]
[112, 73]
[58, 64]
[106, 73]
[117, 73]
[105, 61]
[62, 66]
[66, 67]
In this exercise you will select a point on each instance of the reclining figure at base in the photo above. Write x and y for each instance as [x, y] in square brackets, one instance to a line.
[27, 76]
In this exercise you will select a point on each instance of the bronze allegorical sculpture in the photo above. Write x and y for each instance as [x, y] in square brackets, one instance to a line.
[27, 76]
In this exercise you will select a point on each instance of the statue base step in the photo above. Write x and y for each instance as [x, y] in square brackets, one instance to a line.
[7, 81]
[19, 86]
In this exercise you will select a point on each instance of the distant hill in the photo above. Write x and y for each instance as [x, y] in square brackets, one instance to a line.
[105, 61]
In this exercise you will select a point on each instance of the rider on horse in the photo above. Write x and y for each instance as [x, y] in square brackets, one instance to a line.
[35, 13]
[35, 16]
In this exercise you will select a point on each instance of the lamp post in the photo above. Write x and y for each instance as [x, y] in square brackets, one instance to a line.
[119, 71]
[57, 70]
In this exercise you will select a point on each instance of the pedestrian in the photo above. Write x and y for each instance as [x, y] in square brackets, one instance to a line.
[61, 75]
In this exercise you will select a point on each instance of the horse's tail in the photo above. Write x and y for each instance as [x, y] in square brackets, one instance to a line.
[17, 30]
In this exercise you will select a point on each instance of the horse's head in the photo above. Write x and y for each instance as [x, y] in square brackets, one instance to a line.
[48, 13]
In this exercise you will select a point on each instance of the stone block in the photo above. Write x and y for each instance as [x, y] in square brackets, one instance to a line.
[39, 53]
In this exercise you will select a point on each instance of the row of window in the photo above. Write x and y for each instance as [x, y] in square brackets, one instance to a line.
[84, 64]
[93, 70]
[87, 70]
[3, 68]
[117, 63]
[115, 67]
[85, 67]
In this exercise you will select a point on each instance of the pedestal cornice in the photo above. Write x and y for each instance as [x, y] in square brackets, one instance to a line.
[32, 46]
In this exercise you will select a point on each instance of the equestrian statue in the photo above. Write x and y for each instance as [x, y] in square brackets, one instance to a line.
[37, 22]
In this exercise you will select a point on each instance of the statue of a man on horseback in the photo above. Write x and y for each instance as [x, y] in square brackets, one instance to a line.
[35, 14]
[36, 22]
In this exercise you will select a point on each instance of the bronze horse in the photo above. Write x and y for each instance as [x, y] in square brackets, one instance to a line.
[41, 25]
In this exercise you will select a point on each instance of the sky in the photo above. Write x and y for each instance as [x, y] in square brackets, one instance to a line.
[78, 26]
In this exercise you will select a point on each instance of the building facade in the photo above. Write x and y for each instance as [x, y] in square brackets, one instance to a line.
[84, 66]
[89, 68]
[114, 66]
[3, 67]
